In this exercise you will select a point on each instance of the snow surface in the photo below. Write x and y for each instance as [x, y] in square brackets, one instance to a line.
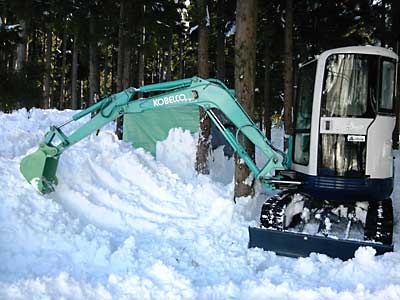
[123, 225]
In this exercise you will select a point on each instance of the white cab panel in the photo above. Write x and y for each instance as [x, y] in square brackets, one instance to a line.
[379, 147]
[344, 125]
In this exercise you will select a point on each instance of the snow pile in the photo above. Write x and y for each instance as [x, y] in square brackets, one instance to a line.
[123, 225]
[177, 152]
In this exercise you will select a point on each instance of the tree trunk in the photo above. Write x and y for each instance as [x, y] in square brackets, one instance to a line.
[74, 83]
[128, 43]
[82, 94]
[93, 64]
[162, 66]
[245, 63]
[63, 68]
[158, 66]
[32, 51]
[121, 46]
[124, 55]
[22, 47]
[383, 23]
[47, 103]
[142, 35]
[106, 71]
[120, 61]
[203, 144]
[141, 66]
[221, 40]
[288, 76]
[114, 63]
[267, 91]
[169, 60]
[127, 68]
[181, 57]
[134, 64]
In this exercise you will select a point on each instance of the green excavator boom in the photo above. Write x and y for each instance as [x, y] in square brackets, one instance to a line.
[40, 167]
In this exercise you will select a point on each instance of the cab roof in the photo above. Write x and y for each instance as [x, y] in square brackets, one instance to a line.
[371, 50]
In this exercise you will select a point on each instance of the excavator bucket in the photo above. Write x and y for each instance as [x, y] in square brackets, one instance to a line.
[39, 168]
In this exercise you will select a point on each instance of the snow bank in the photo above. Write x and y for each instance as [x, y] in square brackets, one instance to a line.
[123, 225]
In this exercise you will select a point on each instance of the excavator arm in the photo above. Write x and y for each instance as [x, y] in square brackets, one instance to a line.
[39, 168]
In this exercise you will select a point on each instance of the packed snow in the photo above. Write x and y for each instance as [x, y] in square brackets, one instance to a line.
[124, 225]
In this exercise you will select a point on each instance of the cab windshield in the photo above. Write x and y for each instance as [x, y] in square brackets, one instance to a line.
[356, 85]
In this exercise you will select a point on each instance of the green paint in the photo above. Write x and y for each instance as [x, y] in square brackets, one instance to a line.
[40, 167]
[189, 93]
[144, 130]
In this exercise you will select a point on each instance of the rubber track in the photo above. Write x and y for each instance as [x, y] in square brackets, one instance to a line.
[379, 223]
[273, 211]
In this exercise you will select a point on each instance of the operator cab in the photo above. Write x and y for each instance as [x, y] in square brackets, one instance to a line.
[343, 123]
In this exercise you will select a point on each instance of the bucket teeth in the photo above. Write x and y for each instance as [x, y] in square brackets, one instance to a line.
[42, 185]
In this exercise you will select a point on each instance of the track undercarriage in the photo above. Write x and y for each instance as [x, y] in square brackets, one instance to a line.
[295, 224]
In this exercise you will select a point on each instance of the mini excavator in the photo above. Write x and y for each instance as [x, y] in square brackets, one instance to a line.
[335, 182]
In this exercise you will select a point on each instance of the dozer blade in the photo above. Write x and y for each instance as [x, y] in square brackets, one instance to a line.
[40, 167]
[294, 244]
